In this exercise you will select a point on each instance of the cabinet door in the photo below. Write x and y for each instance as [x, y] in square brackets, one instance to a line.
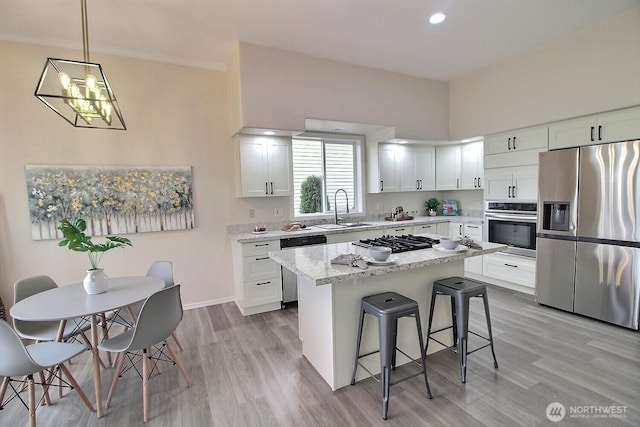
[523, 139]
[525, 184]
[519, 270]
[473, 231]
[280, 168]
[448, 167]
[572, 133]
[619, 126]
[494, 144]
[254, 174]
[497, 183]
[406, 167]
[426, 167]
[471, 170]
[456, 229]
[389, 179]
[442, 229]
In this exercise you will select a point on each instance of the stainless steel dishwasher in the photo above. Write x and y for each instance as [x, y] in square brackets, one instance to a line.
[289, 279]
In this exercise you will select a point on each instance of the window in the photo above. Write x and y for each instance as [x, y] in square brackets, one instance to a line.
[321, 166]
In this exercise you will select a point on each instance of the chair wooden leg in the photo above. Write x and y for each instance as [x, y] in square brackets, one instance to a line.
[116, 375]
[45, 387]
[145, 385]
[180, 367]
[175, 338]
[3, 390]
[77, 388]
[32, 401]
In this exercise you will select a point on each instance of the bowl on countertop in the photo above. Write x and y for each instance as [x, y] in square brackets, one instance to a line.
[449, 242]
[380, 253]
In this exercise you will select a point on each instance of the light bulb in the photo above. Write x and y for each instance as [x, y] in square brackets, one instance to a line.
[91, 81]
[64, 80]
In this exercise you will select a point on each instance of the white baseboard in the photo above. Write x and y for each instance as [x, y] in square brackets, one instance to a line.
[208, 303]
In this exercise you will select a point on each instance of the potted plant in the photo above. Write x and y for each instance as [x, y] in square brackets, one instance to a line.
[432, 206]
[73, 230]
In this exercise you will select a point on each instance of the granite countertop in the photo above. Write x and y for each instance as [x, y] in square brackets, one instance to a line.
[315, 261]
[248, 237]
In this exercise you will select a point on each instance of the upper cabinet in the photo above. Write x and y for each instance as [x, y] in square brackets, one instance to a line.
[402, 168]
[614, 126]
[459, 167]
[516, 148]
[514, 184]
[265, 166]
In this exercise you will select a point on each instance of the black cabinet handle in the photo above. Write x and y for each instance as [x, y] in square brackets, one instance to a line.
[475, 182]
[421, 184]
[381, 185]
[262, 259]
[473, 226]
[514, 142]
[592, 133]
[509, 144]
[457, 182]
[417, 184]
[263, 283]
[261, 244]
[510, 265]
[599, 132]
[460, 229]
[271, 187]
[479, 185]
[513, 191]
[266, 188]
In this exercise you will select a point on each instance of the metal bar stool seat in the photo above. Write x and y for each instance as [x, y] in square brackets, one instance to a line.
[461, 290]
[388, 307]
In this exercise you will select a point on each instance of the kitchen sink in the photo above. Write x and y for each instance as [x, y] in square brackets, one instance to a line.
[354, 224]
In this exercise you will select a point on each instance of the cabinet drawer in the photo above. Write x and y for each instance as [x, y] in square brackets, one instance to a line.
[426, 228]
[399, 230]
[259, 267]
[265, 291]
[512, 269]
[473, 231]
[260, 248]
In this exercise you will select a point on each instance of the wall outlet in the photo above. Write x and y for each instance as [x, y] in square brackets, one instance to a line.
[252, 213]
[277, 212]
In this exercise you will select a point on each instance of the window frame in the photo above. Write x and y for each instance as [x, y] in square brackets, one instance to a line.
[357, 142]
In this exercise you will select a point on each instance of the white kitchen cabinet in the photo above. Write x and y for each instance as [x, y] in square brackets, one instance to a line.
[471, 166]
[510, 268]
[614, 126]
[473, 265]
[511, 183]
[257, 278]
[442, 229]
[516, 148]
[406, 168]
[448, 167]
[265, 166]
[431, 228]
[456, 229]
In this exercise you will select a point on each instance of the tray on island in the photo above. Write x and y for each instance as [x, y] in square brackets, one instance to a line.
[398, 218]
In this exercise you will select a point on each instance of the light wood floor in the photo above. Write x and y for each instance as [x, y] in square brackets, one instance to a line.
[250, 372]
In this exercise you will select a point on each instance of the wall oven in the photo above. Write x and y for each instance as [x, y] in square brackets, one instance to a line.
[512, 224]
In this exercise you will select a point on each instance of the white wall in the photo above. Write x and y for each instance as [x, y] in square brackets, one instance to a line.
[175, 116]
[593, 70]
[280, 89]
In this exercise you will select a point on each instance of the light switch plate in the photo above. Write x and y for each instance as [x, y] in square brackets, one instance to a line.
[277, 211]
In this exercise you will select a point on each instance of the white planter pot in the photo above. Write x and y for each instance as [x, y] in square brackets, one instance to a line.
[432, 212]
[95, 282]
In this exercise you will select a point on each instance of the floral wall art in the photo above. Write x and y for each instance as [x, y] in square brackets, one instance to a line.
[111, 199]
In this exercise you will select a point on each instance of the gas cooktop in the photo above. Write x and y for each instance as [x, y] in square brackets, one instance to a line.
[404, 243]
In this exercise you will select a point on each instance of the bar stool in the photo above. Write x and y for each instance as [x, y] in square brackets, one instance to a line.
[388, 307]
[461, 290]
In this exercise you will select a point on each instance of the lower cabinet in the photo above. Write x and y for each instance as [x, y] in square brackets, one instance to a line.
[258, 279]
[473, 265]
[426, 228]
[510, 268]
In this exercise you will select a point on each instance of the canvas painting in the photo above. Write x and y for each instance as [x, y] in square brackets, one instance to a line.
[111, 199]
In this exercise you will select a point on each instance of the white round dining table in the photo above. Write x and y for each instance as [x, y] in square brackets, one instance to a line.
[67, 302]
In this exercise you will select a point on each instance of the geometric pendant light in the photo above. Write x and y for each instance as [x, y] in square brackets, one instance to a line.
[78, 91]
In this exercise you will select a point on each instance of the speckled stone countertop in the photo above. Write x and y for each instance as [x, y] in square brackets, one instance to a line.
[315, 261]
[248, 237]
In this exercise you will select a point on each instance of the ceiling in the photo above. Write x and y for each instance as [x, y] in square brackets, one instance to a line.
[390, 35]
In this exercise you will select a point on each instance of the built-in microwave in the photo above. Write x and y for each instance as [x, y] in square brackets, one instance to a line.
[512, 224]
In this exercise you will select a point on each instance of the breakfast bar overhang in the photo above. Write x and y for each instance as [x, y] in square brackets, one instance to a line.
[329, 301]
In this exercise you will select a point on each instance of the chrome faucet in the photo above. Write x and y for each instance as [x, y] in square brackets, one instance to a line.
[335, 204]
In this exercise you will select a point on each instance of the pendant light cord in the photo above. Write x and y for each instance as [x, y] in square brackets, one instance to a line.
[85, 30]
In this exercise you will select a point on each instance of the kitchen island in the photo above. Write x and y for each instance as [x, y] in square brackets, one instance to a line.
[329, 301]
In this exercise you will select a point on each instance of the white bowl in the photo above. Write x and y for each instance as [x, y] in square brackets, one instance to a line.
[380, 253]
[449, 242]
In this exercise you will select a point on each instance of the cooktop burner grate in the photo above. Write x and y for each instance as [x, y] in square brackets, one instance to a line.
[404, 243]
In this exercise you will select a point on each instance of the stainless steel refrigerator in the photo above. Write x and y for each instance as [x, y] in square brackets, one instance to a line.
[588, 240]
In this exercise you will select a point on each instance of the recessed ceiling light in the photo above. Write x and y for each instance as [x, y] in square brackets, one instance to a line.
[268, 132]
[437, 18]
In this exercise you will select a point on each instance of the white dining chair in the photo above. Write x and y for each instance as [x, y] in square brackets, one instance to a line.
[159, 317]
[44, 331]
[20, 361]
